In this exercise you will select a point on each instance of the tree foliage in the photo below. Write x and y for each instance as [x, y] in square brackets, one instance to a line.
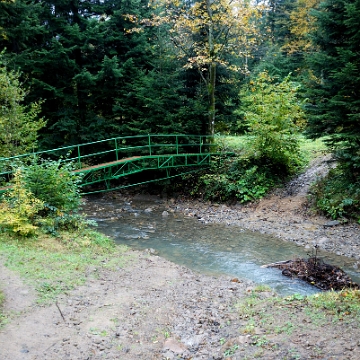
[19, 124]
[206, 34]
[82, 63]
[273, 115]
[302, 25]
[334, 88]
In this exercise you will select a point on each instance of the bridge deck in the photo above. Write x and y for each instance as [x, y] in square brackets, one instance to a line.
[107, 164]
[125, 161]
[163, 152]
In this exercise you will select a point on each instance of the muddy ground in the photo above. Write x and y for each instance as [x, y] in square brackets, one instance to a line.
[154, 309]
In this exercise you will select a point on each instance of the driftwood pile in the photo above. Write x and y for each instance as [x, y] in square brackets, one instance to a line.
[314, 271]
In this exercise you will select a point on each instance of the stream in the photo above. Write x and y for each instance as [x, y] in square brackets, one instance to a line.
[213, 249]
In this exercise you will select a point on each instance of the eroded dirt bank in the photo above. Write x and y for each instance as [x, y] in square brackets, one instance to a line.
[154, 309]
[141, 312]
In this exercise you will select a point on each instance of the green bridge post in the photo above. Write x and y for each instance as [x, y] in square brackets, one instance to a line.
[149, 144]
[116, 150]
[79, 156]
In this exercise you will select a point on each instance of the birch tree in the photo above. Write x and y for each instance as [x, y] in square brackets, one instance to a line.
[206, 33]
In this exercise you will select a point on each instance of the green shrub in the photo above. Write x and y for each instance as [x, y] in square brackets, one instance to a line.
[55, 184]
[19, 208]
[273, 116]
[337, 195]
[44, 195]
[237, 178]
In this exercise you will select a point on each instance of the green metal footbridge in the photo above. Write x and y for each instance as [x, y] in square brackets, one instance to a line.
[103, 163]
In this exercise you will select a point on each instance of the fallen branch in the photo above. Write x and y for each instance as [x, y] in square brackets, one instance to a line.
[60, 311]
[277, 264]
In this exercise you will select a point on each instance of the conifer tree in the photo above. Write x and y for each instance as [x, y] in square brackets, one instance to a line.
[73, 59]
[334, 96]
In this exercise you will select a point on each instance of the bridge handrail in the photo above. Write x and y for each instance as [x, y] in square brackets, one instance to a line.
[150, 146]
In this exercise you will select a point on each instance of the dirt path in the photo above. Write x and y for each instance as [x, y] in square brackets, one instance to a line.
[154, 309]
[134, 313]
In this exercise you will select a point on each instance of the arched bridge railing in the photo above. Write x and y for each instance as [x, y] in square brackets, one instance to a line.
[105, 160]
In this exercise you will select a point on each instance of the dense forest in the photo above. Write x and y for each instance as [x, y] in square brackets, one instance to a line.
[78, 71]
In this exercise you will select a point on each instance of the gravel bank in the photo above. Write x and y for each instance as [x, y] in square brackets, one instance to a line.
[154, 309]
[284, 214]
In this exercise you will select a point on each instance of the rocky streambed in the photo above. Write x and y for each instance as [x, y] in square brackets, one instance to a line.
[154, 309]
[284, 214]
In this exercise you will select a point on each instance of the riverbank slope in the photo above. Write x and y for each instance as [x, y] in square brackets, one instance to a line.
[149, 308]
[285, 214]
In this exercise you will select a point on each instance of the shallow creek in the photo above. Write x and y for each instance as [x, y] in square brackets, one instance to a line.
[212, 249]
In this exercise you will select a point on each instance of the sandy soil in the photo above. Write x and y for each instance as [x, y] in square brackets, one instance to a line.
[154, 309]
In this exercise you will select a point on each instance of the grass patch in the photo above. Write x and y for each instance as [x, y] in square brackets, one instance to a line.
[2, 300]
[262, 288]
[312, 148]
[309, 148]
[338, 304]
[233, 143]
[296, 313]
[56, 265]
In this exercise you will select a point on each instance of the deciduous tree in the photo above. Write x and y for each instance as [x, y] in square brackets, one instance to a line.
[206, 33]
[274, 116]
[19, 124]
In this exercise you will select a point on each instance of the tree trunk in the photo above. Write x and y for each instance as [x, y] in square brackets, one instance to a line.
[211, 92]
[212, 74]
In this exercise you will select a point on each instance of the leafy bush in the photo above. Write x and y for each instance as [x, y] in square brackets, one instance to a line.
[55, 184]
[44, 195]
[237, 178]
[274, 116]
[19, 208]
[337, 195]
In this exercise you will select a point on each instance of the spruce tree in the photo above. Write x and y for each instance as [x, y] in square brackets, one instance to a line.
[334, 98]
[74, 57]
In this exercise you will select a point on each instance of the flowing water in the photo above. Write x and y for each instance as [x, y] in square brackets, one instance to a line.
[212, 249]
